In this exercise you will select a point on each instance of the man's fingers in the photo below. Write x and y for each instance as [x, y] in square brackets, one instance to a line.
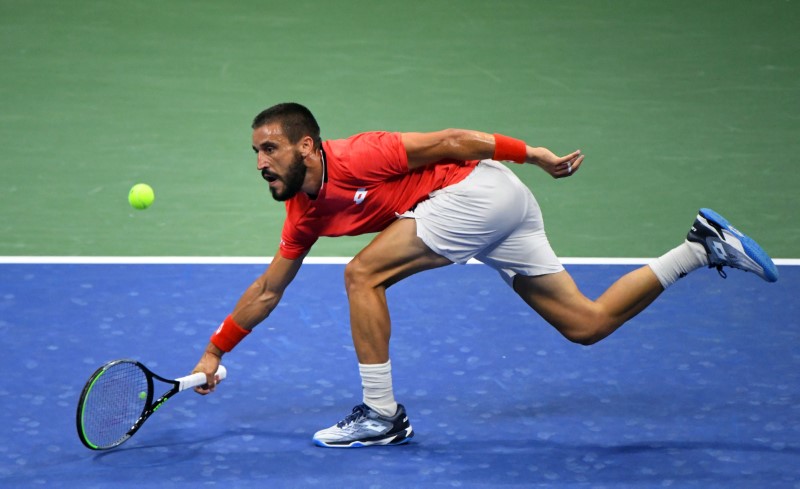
[209, 386]
[577, 163]
[570, 157]
[570, 165]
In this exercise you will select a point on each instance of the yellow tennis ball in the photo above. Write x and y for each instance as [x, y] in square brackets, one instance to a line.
[143, 395]
[141, 196]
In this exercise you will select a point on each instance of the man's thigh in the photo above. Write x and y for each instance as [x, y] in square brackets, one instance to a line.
[557, 299]
[394, 254]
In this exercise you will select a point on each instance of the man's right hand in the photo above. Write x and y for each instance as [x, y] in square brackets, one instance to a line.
[208, 364]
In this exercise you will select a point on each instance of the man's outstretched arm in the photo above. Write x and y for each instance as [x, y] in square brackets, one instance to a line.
[255, 305]
[463, 144]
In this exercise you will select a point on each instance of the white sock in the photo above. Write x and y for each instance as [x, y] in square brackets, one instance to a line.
[678, 262]
[377, 383]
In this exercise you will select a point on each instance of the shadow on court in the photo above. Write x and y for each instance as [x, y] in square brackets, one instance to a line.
[701, 390]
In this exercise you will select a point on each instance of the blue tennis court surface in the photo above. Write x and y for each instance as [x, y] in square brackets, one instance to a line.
[701, 390]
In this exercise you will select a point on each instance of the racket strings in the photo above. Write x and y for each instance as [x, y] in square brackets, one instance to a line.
[113, 404]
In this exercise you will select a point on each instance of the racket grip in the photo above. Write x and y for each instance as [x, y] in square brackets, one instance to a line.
[199, 378]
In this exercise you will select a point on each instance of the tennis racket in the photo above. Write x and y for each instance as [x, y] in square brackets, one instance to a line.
[120, 396]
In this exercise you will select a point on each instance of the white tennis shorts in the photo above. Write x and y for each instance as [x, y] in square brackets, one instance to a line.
[490, 216]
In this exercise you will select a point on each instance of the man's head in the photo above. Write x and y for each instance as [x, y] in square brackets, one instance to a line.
[295, 119]
[284, 135]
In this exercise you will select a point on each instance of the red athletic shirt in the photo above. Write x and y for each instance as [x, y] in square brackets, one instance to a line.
[366, 183]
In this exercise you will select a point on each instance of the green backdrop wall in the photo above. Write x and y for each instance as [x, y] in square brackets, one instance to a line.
[677, 105]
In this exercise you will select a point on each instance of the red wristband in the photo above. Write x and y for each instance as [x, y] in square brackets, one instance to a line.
[228, 335]
[509, 149]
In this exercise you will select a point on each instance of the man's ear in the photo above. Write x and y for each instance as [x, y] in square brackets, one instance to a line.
[306, 146]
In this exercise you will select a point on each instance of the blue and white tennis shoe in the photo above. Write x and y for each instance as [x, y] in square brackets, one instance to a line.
[364, 427]
[726, 246]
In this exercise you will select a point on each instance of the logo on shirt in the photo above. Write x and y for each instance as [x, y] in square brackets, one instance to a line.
[360, 195]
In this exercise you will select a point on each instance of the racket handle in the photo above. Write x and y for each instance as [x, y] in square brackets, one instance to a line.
[199, 379]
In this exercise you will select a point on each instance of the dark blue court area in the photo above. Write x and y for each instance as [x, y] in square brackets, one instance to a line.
[701, 390]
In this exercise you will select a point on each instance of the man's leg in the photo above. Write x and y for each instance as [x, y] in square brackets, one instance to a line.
[712, 241]
[559, 301]
[396, 253]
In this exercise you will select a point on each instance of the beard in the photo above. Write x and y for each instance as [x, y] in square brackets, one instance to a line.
[292, 181]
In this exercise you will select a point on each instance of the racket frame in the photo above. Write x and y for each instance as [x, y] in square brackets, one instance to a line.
[177, 385]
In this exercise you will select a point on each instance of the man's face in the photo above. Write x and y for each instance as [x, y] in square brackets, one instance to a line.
[281, 164]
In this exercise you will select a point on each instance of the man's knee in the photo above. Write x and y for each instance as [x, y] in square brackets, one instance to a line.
[356, 274]
[588, 330]
[583, 336]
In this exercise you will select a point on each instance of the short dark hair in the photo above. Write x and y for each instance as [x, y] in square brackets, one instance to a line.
[295, 119]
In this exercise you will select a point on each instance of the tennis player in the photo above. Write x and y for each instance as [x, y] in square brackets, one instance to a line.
[436, 198]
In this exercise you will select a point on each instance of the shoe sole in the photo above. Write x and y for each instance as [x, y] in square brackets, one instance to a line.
[751, 248]
[384, 442]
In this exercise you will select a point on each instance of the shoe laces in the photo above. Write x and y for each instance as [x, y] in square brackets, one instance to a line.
[720, 271]
[358, 413]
